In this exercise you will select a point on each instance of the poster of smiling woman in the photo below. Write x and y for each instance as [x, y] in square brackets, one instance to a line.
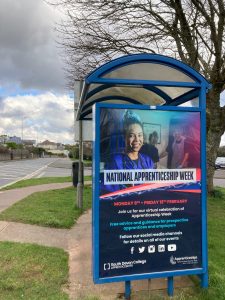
[148, 194]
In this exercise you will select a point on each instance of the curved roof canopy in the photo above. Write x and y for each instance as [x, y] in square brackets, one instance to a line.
[146, 79]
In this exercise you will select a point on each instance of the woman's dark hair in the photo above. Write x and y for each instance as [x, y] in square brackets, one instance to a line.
[130, 118]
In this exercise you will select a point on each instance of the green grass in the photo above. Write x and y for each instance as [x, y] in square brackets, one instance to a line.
[216, 244]
[54, 208]
[32, 272]
[86, 162]
[42, 180]
[87, 178]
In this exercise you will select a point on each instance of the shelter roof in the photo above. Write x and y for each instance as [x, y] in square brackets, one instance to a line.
[147, 79]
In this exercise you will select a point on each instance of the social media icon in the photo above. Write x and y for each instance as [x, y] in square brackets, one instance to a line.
[132, 250]
[107, 266]
[141, 249]
[172, 247]
[151, 249]
[161, 248]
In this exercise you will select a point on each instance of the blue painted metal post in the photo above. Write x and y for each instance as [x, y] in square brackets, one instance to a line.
[170, 286]
[204, 280]
[204, 276]
[127, 290]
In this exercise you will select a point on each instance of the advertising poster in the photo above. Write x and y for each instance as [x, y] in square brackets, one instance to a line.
[149, 194]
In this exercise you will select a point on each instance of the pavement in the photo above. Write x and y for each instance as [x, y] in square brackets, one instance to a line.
[77, 242]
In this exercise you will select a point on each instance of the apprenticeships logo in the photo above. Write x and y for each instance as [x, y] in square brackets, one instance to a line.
[184, 260]
[172, 260]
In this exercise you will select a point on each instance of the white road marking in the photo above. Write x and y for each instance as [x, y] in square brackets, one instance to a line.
[6, 178]
[27, 176]
[40, 175]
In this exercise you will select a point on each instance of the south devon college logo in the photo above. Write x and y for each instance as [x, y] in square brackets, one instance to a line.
[107, 266]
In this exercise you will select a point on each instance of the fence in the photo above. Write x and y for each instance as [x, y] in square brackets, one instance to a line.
[17, 154]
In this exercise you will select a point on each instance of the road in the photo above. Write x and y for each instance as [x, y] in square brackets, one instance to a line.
[12, 171]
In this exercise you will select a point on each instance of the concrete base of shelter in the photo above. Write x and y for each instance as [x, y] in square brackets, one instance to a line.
[81, 284]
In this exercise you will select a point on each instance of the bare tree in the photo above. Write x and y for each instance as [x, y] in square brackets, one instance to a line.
[189, 30]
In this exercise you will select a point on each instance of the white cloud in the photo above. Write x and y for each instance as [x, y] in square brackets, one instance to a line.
[39, 117]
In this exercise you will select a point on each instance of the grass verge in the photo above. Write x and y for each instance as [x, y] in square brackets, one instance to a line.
[37, 181]
[32, 272]
[54, 208]
[42, 180]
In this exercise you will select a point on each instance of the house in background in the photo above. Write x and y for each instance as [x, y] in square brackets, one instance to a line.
[29, 143]
[47, 145]
[55, 148]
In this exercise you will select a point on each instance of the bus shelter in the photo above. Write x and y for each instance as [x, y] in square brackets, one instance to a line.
[170, 97]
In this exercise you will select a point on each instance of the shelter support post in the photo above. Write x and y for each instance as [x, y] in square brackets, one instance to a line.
[80, 171]
[170, 286]
[204, 280]
[127, 290]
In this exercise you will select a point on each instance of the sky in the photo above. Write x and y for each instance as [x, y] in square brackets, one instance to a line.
[34, 100]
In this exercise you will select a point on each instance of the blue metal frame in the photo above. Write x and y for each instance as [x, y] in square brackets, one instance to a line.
[111, 97]
[146, 58]
[202, 272]
[204, 276]
[184, 98]
[108, 86]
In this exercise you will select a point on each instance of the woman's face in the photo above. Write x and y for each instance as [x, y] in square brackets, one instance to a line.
[177, 135]
[134, 138]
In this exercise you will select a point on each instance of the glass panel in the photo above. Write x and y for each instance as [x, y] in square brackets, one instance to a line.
[174, 92]
[192, 103]
[149, 71]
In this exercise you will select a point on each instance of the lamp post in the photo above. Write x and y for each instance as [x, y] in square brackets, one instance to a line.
[24, 117]
[21, 149]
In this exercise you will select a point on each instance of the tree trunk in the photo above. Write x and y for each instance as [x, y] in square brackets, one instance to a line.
[213, 142]
[215, 129]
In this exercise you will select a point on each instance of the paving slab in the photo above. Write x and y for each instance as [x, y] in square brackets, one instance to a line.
[7, 198]
[26, 233]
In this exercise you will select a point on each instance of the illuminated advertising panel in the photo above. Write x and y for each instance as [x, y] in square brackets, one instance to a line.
[147, 208]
